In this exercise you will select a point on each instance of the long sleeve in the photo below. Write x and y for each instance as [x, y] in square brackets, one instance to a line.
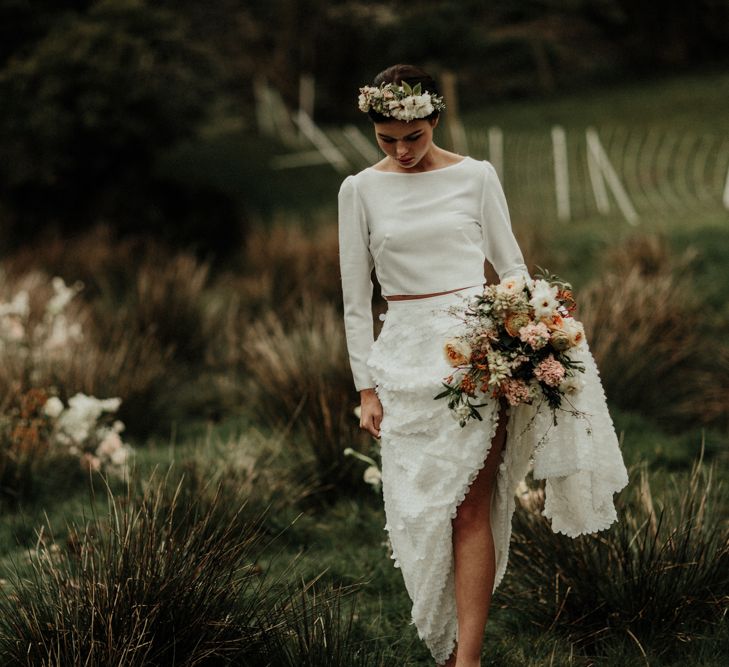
[499, 244]
[356, 263]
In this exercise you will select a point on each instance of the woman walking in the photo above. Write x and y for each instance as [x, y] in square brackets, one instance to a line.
[426, 219]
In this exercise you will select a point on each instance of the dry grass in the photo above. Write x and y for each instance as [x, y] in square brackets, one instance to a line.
[642, 316]
[283, 264]
[24, 445]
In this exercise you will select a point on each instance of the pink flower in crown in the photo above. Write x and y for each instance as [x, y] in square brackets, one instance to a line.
[549, 371]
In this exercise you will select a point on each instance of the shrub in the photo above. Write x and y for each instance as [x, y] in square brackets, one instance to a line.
[642, 319]
[283, 265]
[658, 575]
[24, 444]
[301, 382]
[319, 632]
[141, 329]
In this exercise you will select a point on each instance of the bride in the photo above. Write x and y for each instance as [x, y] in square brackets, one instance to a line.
[425, 219]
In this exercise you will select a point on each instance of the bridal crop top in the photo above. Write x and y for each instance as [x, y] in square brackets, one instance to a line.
[422, 232]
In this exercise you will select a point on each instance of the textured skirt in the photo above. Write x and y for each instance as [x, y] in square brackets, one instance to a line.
[429, 461]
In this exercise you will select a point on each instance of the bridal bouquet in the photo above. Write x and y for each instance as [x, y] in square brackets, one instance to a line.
[516, 345]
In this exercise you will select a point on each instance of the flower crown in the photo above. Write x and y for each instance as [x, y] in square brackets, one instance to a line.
[401, 102]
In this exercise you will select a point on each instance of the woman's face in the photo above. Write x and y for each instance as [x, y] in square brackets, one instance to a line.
[405, 142]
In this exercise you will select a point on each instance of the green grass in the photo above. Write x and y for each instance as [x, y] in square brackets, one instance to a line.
[687, 101]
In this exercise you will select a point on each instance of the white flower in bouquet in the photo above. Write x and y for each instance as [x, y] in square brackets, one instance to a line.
[574, 329]
[571, 384]
[544, 299]
[499, 367]
[461, 412]
[515, 284]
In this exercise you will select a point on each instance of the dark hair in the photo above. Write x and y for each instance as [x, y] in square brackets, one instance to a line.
[412, 75]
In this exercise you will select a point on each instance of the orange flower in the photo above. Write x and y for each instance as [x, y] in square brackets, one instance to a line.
[468, 385]
[553, 323]
[568, 298]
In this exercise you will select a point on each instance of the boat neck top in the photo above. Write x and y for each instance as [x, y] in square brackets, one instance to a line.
[413, 173]
[422, 232]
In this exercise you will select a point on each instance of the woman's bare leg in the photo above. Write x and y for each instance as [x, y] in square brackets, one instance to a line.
[475, 558]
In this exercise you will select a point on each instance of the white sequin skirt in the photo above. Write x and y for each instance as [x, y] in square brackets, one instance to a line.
[429, 461]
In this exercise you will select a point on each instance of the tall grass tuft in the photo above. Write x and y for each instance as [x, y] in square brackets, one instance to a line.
[656, 578]
[150, 583]
[641, 317]
[320, 632]
[301, 382]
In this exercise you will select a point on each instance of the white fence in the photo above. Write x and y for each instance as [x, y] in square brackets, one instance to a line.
[563, 174]
[631, 171]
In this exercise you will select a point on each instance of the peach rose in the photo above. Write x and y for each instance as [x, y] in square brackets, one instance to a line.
[457, 352]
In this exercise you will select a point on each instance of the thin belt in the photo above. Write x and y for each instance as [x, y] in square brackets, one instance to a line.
[397, 304]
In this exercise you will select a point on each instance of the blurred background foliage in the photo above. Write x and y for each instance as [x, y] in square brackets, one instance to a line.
[97, 93]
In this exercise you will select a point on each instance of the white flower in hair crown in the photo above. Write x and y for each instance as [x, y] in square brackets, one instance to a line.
[402, 102]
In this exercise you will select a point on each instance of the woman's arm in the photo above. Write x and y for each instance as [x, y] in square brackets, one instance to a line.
[356, 263]
[499, 244]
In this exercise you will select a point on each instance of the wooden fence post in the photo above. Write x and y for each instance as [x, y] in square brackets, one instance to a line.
[496, 150]
[561, 174]
[601, 171]
[457, 134]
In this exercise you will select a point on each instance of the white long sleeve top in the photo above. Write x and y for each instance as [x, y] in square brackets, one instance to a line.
[422, 232]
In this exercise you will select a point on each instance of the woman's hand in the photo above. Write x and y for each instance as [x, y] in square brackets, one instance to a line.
[370, 411]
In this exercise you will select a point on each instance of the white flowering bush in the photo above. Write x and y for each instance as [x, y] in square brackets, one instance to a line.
[82, 431]
[30, 345]
[39, 338]
[37, 431]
